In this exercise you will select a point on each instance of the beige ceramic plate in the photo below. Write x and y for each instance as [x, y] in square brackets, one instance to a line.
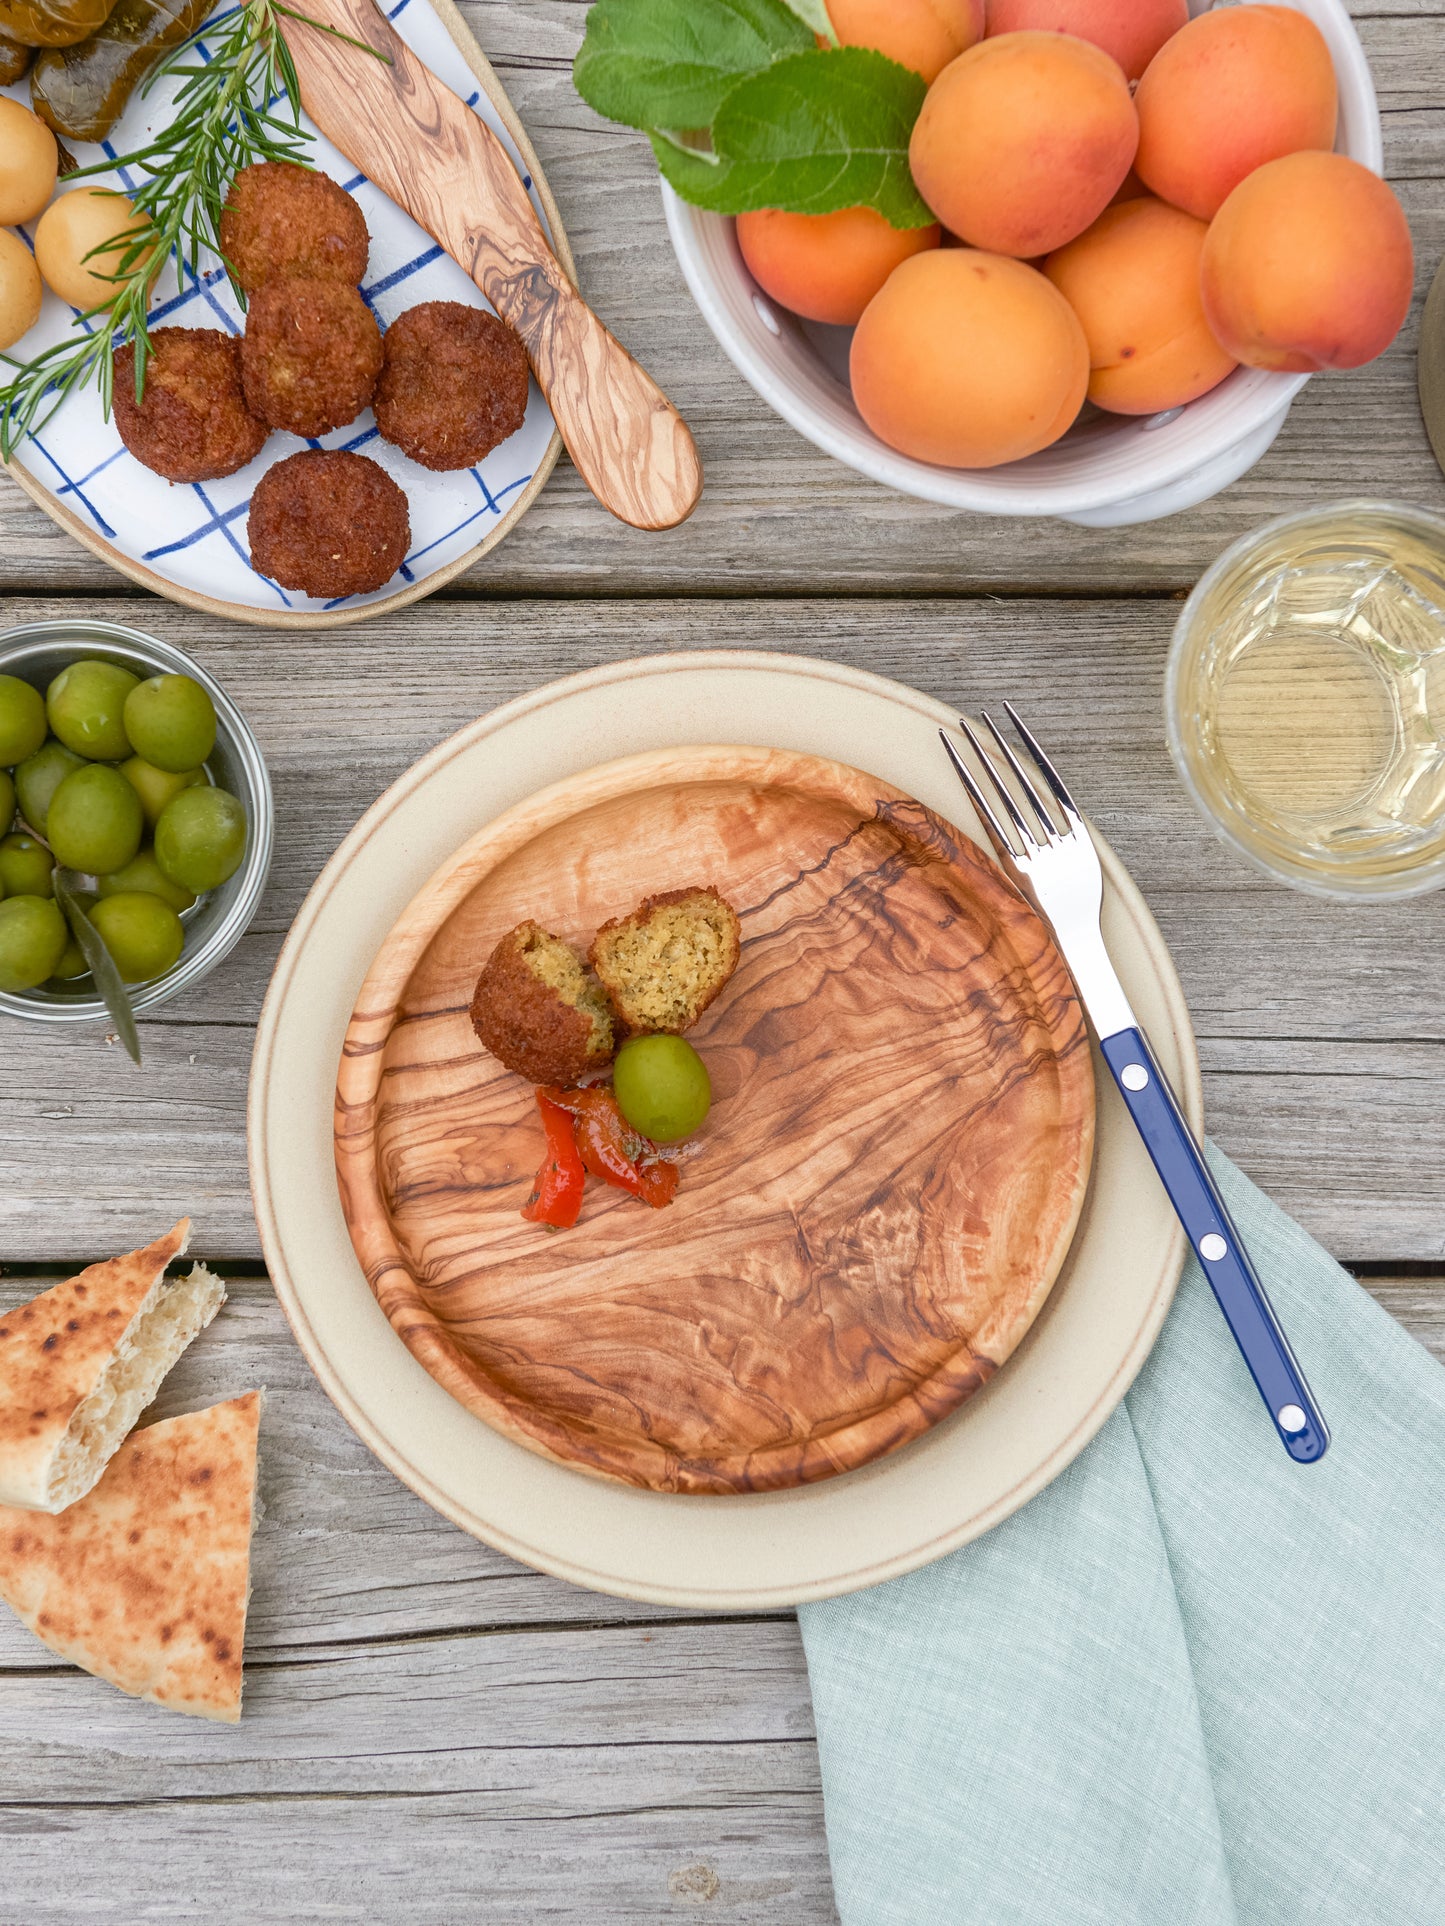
[728, 1553]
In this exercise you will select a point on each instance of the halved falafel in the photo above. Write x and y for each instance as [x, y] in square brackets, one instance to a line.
[311, 354]
[453, 385]
[283, 219]
[662, 965]
[537, 1010]
[192, 423]
[328, 523]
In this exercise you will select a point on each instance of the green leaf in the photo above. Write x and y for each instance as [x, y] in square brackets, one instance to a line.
[815, 14]
[817, 132]
[670, 63]
[102, 963]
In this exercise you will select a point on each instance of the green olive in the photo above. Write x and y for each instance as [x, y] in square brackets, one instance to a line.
[143, 934]
[32, 941]
[662, 1087]
[155, 787]
[22, 720]
[144, 873]
[171, 721]
[27, 867]
[38, 778]
[95, 820]
[72, 964]
[201, 838]
[86, 706]
[7, 800]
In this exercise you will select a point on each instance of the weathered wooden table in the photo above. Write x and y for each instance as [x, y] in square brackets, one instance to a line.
[433, 1734]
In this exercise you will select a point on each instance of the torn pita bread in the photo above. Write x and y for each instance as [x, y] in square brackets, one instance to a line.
[79, 1364]
[145, 1582]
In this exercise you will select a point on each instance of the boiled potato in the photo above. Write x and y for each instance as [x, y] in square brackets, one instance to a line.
[28, 160]
[20, 289]
[69, 229]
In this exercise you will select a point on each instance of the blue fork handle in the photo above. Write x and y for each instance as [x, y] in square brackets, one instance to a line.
[1222, 1256]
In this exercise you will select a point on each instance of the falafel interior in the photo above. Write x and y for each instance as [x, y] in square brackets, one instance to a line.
[537, 1010]
[663, 965]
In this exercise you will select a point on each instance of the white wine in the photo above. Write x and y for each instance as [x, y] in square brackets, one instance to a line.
[1307, 698]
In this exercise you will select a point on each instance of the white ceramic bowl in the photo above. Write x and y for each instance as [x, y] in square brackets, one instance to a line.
[1108, 470]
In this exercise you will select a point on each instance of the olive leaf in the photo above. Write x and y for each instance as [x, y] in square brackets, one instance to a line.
[671, 63]
[813, 133]
[815, 14]
[101, 962]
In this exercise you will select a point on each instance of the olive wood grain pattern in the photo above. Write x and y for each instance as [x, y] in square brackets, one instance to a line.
[424, 147]
[880, 1200]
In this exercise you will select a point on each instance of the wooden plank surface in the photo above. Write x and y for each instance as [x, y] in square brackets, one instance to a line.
[414, 1700]
[1319, 1024]
[777, 516]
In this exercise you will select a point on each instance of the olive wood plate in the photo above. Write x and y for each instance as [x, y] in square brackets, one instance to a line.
[756, 1551]
[882, 1195]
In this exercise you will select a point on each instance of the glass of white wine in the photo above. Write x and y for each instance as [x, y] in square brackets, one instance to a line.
[1305, 699]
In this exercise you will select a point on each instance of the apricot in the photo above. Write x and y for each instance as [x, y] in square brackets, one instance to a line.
[1133, 281]
[826, 267]
[1232, 90]
[1130, 31]
[922, 34]
[968, 359]
[1023, 140]
[1308, 265]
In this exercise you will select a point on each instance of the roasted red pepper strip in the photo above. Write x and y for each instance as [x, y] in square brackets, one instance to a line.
[557, 1194]
[612, 1149]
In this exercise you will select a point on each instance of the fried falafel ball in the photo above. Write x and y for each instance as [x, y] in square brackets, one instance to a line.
[662, 965]
[453, 385]
[282, 219]
[310, 356]
[329, 524]
[536, 1009]
[192, 423]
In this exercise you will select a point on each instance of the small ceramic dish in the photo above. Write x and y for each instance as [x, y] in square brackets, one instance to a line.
[1109, 470]
[37, 653]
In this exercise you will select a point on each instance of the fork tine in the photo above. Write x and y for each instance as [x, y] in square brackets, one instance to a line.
[997, 834]
[1026, 781]
[1028, 837]
[1046, 769]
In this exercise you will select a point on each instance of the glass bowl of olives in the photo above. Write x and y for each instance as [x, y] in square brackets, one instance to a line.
[128, 766]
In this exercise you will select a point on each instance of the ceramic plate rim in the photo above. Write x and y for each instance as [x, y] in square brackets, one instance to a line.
[310, 1148]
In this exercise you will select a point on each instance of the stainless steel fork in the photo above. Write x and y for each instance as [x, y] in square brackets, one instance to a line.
[1044, 845]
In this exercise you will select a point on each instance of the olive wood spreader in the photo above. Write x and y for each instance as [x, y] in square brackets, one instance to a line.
[877, 1206]
[418, 142]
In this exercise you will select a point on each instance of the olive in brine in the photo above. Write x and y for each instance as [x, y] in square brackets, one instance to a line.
[144, 935]
[38, 778]
[155, 787]
[145, 874]
[7, 800]
[86, 706]
[26, 867]
[171, 722]
[95, 821]
[201, 838]
[22, 720]
[32, 941]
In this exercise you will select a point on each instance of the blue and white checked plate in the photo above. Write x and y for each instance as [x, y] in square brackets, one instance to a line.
[188, 541]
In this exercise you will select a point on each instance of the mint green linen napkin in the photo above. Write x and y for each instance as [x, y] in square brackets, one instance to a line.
[1191, 1684]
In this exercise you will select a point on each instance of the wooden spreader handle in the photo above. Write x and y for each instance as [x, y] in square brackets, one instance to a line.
[424, 147]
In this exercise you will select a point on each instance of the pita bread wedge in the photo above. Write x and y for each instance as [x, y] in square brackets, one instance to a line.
[79, 1364]
[145, 1581]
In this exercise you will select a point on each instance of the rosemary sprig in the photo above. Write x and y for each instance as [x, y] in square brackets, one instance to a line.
[225, 118]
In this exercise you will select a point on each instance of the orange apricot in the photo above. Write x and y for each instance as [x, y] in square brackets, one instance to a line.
[1130, 31]
[826, 267]
[969, 360]
[1235, 88]
[922, 34]
[1133, 281]
[1023, 140]
[1308, 265]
